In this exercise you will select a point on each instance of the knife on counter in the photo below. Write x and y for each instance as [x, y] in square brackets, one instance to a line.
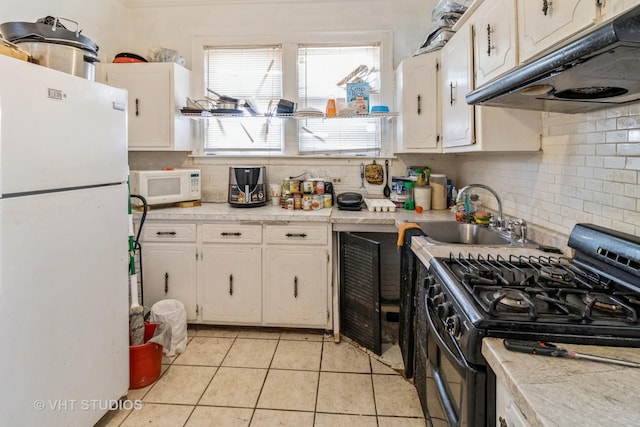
[543, 348]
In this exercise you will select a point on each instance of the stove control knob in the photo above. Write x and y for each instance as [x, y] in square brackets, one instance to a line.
[439, 299]
[452, 324]
[434, 290]
[444, 310]
[429, 280]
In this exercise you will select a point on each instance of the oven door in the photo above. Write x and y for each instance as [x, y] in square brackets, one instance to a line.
[456, 390]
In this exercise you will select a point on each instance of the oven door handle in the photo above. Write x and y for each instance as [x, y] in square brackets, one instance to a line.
[459, 359]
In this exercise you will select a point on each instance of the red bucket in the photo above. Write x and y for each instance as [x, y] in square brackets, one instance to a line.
[145, 360]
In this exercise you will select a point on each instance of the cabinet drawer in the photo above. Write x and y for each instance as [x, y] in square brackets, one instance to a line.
[231, 233]
[296, 234]
[169, 232]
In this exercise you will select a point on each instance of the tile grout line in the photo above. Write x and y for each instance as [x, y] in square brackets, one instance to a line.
[255, 406]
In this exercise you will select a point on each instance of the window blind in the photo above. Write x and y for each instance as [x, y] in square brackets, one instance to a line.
[251, 74]
[323, 72]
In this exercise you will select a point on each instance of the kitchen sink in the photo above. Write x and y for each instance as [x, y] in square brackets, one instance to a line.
[458, 233]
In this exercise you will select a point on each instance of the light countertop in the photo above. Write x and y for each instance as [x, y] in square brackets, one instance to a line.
[557, 392]
[225, 212]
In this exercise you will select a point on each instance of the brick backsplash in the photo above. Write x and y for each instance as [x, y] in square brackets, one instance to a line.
[587, 171]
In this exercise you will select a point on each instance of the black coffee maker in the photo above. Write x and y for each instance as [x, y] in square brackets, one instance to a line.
[248, 186]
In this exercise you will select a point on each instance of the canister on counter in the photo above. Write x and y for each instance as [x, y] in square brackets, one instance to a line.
[307, 187]
[316, 202]
[306, 202]
[326, 200]
[297, 200]
[294, 186]
[438, 191]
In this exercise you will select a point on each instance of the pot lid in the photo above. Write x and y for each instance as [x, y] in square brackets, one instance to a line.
[47, 30]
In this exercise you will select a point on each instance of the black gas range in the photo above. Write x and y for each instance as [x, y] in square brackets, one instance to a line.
[593, 298]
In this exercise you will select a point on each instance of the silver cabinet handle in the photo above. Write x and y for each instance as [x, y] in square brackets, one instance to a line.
[489, 46]
[295, 287]
[451, 98]
[303, 235]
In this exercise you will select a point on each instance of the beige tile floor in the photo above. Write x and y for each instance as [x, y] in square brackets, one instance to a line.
[243, 377]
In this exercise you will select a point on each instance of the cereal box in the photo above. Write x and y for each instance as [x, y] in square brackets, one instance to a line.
[358, 97]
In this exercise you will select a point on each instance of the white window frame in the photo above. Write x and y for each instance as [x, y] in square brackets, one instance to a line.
[290, 43]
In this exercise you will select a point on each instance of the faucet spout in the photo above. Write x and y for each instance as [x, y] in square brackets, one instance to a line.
[500, 219]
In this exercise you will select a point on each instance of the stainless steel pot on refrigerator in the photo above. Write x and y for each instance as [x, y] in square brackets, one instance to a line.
[52, 45]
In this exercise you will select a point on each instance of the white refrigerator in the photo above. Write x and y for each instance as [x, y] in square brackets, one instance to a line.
[64, 357]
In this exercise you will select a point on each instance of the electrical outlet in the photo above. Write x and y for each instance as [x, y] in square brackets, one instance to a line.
[336, 180]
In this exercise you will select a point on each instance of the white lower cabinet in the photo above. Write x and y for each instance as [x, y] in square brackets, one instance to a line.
[169, 255]
[241, 274]
[169, 272]
[230, 285]
[230, 274]
[507, 412]
[295, 288]
[296, 275]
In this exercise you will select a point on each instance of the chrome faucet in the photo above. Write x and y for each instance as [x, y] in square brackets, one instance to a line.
[500, 220]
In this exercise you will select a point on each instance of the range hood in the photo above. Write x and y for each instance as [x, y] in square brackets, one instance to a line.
[600, 69]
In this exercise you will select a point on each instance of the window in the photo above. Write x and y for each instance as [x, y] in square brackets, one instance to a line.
[306, 69]
[253, 76]
[324, 72]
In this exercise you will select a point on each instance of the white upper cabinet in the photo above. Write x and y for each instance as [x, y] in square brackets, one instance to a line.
[611, 8]
[418, 97]
[495, 39]
[457, 70]
[156, 91]
[468, 128]
[543, 23]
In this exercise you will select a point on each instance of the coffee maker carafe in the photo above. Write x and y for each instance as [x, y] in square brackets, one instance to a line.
[248, 186]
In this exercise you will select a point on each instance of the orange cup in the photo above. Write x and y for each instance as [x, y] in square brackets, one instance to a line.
[419, 209]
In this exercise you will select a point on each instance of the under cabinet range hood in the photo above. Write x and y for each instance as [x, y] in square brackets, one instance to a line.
[598, 70]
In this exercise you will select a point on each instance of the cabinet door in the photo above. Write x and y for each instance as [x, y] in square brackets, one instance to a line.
[612, 8]
[418, 90]
[150, 104]
[230, 284]
[169, 272]
[543, 23]
[494, 27]
[457, 115]
[296, 286]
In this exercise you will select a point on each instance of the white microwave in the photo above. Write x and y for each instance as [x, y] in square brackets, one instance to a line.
[165, 186]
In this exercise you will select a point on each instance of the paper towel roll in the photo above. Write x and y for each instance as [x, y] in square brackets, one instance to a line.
[422, 197]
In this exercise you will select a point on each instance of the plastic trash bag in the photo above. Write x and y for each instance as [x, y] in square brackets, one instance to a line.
[172, 311]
